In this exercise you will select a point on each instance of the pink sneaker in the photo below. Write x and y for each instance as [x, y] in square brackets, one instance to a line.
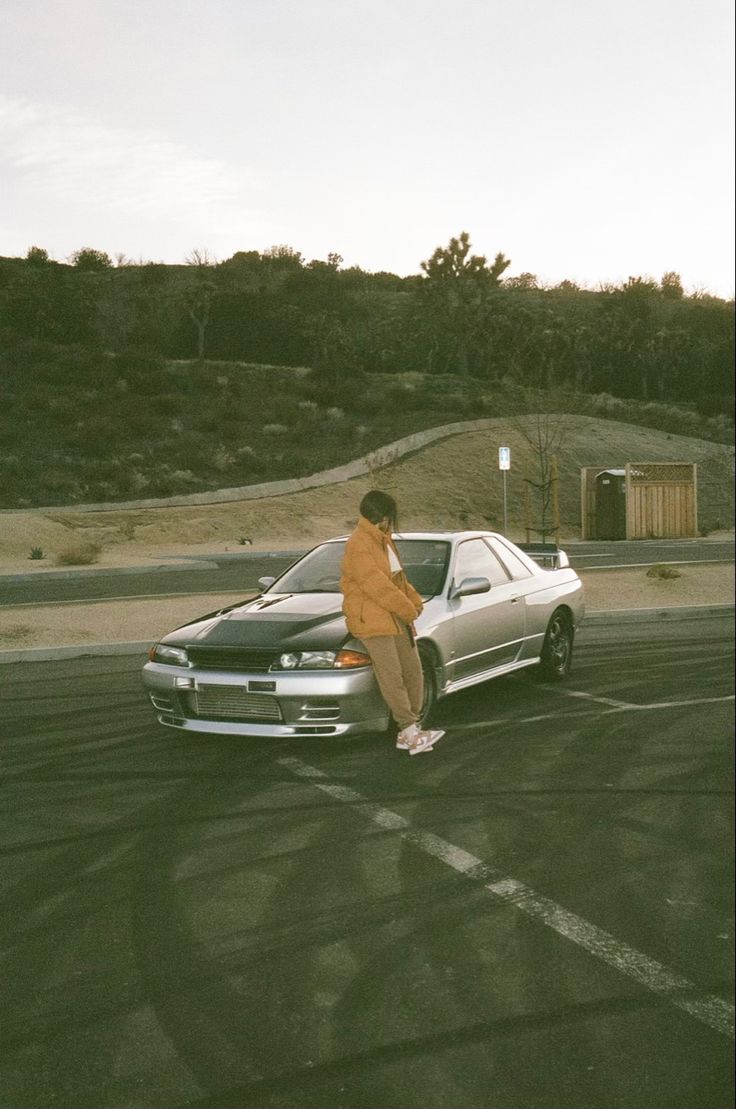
[415, 739]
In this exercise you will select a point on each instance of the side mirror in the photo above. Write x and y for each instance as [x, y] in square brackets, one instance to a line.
[468, 587]
[265, 582]
[562, 560]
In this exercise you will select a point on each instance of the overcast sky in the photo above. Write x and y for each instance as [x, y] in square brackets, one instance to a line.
[585, 139]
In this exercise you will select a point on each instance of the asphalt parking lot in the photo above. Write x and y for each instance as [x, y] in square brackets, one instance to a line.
[538, 913]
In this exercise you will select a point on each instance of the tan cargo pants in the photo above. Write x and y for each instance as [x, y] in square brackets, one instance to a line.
[398, 674]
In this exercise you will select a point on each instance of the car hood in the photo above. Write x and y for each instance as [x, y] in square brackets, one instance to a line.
[289, 621]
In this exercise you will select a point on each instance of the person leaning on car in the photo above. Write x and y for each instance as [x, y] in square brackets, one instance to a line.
[380, 607]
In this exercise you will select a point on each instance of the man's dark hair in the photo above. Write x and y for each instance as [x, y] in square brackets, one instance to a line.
[375, 505]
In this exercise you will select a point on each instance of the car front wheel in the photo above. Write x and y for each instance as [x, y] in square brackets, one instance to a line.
[430, 685]
[556, 656]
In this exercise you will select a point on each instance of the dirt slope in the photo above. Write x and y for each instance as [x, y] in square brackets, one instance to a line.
[451, 484]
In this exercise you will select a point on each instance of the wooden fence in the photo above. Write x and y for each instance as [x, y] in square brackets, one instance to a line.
[661, 500]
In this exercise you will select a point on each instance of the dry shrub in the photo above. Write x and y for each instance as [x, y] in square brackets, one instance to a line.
[84, 554]
[659, 570]
[16, 633]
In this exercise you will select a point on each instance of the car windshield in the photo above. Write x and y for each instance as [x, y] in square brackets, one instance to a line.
[425, 562]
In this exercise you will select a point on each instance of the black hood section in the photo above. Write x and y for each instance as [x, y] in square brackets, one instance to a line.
[298, 622]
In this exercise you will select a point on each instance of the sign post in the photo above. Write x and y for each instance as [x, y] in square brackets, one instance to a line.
[504, 465]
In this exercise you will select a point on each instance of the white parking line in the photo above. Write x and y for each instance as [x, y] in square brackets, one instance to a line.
[613, 708]
[626, 706]
[590, 697]
[679, 991]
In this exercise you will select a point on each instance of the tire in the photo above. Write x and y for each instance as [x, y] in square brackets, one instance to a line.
[556, 657]
[430, 685]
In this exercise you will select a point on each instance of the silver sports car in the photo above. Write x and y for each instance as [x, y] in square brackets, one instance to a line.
[284, 664]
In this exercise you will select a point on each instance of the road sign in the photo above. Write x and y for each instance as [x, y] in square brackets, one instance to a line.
[504, 458]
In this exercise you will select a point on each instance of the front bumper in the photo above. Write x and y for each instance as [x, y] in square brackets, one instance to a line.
[277, 704]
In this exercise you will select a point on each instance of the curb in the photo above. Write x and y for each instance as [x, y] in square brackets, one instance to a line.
[79, 650]
[615, 616]
[103, 572]
[656, 615]
[188, 562]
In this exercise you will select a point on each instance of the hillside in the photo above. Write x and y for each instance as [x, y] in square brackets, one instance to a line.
[452, 483]
[80, 426]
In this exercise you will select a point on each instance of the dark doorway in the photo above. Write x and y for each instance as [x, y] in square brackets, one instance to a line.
[610, 504]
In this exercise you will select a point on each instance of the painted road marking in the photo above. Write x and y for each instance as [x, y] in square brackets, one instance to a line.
[614, 707]
[679, 991]
[590, 697]
[626, 706]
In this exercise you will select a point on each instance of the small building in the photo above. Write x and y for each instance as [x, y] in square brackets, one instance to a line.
[641, 500]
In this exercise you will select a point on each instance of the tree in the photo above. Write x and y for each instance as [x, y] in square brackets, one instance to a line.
[283, 256]
[200, 256]
[199, 293]
[37, 256]
[545, 433]
[88, 260]
[522, 281]
[333, 354]
[198, 300]
[457, 284]
[671, 285]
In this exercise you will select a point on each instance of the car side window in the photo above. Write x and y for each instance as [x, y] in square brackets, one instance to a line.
[512, 562]
[475, 560]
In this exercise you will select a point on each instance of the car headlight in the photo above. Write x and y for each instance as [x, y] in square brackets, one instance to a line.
[172, 656]
[321, 660]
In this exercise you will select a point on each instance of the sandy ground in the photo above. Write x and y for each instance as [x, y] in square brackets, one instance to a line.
[69, 624]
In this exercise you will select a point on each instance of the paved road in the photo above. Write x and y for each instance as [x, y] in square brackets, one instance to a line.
[599, 553]
[536, 914]
[237, 572]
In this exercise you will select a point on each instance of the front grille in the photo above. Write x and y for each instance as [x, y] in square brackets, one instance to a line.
[232, 702]
[242, 660]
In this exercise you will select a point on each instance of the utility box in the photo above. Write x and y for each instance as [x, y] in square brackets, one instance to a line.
[641, 500]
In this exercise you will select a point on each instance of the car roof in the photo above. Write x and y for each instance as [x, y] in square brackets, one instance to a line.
[454, 537]
[433, 536]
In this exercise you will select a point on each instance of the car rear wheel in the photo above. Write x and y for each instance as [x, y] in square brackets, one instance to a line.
[556, 656]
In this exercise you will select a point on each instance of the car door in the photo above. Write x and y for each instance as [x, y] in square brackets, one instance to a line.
[488, 627]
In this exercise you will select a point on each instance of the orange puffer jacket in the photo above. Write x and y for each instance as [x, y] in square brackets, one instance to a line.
[372, 598]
